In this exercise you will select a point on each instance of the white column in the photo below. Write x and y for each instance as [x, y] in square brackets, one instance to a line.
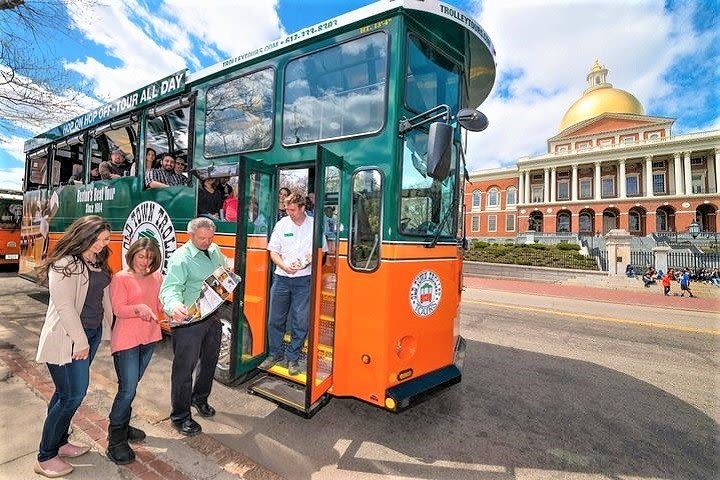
[679, 181]
[521, 187]
[546, 185]
[597, 181]
[553, 183]
[648, 177]
[621, 180]
[528, 198]
[574, 186]
[688, 176]
[717, 171]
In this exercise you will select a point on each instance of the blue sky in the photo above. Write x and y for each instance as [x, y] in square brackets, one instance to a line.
[664, 53]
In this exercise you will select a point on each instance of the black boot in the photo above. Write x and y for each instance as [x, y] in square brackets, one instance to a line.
[118, 449]
[135, 434]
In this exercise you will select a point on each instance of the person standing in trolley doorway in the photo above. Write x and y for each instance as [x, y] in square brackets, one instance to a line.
[197, 343]
[290, 247]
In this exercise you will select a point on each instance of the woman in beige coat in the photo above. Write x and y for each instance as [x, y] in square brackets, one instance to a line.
[79, 316]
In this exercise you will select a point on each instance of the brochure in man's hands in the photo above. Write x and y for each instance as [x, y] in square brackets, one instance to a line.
[214, 291]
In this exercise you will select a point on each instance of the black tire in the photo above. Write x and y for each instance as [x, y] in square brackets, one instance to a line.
[222, 369]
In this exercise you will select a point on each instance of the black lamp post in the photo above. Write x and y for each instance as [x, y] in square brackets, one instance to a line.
[694, 229]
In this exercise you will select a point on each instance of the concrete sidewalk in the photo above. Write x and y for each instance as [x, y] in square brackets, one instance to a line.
[25, 389]
[652, 297]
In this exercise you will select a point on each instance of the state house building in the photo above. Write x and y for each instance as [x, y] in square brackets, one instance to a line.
[610, 166]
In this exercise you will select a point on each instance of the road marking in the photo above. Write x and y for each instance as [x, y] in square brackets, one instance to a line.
[664, 326]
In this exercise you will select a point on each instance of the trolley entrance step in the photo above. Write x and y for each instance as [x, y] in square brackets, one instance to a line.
[288, 395]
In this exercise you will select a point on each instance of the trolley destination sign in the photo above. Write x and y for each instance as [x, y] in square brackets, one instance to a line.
[165, 87]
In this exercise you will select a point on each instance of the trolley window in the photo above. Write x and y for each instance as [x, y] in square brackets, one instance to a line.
[336, 92]
[365, 220]
[424, 201]
[432, 79]
[239, 113]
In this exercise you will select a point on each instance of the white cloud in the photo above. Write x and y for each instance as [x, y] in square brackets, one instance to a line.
[548, 48]
[140, 59]
[13, 146]
[11, 174]
[11, 178]
[230, 27]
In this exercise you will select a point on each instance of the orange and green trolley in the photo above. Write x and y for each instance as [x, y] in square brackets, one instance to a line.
[366, 113]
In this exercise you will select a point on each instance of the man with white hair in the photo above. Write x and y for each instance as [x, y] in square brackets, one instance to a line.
[196, 343]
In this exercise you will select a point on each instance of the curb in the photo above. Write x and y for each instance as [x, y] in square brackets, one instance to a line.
[147, 465]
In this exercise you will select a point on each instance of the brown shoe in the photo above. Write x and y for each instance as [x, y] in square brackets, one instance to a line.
[72, 451]
[53, 468]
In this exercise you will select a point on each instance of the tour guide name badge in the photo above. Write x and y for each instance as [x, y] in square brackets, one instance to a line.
[425, 293]
[150, 220]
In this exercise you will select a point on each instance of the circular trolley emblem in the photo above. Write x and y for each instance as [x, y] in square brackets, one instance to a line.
[150, 220]
[425, 293]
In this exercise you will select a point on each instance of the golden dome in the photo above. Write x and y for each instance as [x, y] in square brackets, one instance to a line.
[600, 97]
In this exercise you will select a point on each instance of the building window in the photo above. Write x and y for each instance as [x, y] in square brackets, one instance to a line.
[585, 188]
[537, 194]
[628, 140]
[634, 221]
[605, 142]
[492, 223]
[660, 164]
[583, 146]
[661, 221]
[658, 182]
[654, 136]
[698, 183]
[563, 190]
[608, 187]
[475, 223]
[632, 185]
[562, 149]
[510, 222]
[511, 196]
[585, 223]
[476, 200]
[493, 198]
[563, 222]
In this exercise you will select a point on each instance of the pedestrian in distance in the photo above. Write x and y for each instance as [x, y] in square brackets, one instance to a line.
[666, 281]
[78, 317]
[685, 283]
[134, 296]
[196, 343]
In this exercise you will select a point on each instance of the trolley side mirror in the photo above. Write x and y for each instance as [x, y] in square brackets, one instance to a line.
[438, 152]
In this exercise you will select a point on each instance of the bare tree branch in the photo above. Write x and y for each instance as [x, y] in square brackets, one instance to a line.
[35, 88]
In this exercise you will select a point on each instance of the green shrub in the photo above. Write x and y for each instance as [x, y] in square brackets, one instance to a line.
[568, 246]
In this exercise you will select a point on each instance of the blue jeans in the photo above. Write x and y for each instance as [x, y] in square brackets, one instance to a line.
[130, 366]
[289, 303]
[71, 382]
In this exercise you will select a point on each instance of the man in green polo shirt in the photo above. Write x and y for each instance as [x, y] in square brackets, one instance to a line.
[199, 341]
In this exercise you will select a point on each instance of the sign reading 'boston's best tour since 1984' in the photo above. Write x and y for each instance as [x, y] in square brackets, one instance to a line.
[425, 293]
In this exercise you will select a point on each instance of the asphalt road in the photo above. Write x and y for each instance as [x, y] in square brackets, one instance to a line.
[552, 388]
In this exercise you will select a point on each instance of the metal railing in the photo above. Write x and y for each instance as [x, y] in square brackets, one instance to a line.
[640, 260]
[693, 261]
